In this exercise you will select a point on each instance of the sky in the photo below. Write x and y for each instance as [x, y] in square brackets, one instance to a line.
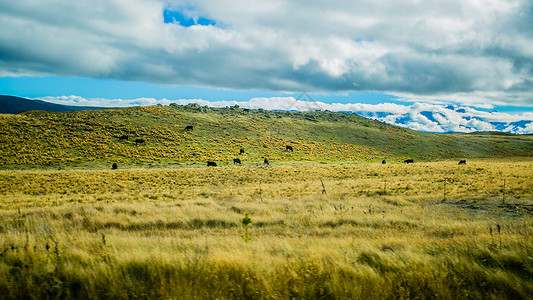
[476, 53]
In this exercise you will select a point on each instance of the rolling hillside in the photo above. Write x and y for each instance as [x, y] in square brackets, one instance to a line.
[92, 138]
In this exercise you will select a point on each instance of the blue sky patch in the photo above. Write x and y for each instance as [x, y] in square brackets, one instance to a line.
[170, 16]
[429, 115]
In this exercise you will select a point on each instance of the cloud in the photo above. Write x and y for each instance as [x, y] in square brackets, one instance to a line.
[469, 52]
[418, 116]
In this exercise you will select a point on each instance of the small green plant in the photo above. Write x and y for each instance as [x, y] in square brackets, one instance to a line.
[246, 221]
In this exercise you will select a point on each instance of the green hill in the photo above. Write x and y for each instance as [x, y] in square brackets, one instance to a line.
[92, 138]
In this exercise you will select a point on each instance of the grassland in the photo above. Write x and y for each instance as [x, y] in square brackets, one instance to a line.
[329, 221]
[89, 139]
[379, 231]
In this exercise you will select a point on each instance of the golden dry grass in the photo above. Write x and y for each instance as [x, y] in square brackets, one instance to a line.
[176, 233]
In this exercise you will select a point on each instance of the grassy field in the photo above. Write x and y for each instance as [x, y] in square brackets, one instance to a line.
[91, 139]
[423, 230]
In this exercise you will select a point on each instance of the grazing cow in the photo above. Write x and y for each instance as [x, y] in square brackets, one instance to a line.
[265, 162]
[241, 151]
[124, 137]
[236, 161]
[409, 161]
[114, 166]
[383, 161]
[211, 164]
[288, 148]
[139, 141]
[462, 162]
[188, 128]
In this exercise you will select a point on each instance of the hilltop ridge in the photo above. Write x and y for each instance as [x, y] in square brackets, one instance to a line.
[92, 138]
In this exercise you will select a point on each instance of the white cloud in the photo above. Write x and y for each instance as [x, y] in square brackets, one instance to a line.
[527, 129]
[472, 52]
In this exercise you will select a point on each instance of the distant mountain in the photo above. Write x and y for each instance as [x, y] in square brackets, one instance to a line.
[15, 105]
[448, 119]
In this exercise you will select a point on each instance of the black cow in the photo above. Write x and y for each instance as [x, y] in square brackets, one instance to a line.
[462, 162]
[409, 161]
[265, 162]
[139, 141]
[211, 164]
[236, 161]
[123, 137]
[188, 128]
[383, 161]
[288, 148]
[241, 151]
[114, 166]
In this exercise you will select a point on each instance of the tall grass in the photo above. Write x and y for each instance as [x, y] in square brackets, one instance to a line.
[177, 233]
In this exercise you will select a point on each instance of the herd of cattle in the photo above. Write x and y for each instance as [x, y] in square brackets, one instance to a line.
[237, 161]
